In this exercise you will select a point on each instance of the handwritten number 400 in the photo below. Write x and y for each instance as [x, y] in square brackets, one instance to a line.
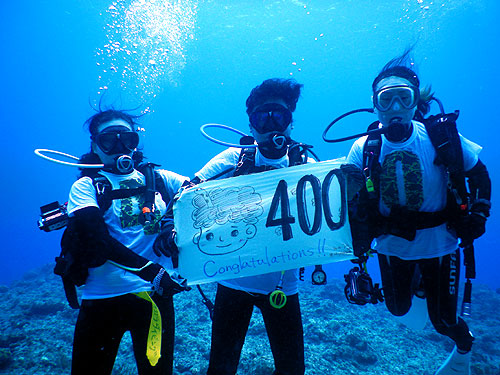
[321, 197]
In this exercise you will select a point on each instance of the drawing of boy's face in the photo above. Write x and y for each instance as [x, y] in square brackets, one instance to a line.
[226, 239]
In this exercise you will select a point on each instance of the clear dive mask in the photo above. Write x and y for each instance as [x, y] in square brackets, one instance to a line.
[406, 96]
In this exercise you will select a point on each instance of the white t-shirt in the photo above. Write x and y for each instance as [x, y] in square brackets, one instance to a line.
[410, 178]
[266, 283]
[122, 220]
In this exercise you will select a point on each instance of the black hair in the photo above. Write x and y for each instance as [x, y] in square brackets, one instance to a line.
[275, 88]
[101, 117]
[89, 158]
[399, 67]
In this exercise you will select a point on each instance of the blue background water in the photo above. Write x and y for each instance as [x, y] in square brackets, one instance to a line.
[56, 58]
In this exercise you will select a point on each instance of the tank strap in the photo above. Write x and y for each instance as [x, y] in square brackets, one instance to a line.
[443, 133]
[246, 161]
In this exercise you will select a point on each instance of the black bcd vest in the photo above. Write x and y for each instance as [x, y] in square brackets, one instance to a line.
[75, 258]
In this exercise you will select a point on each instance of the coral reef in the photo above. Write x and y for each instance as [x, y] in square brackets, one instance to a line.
[36, 332]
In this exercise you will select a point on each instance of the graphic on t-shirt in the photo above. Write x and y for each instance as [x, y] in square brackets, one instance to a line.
[225, 218]
[409, 164]
[131, 209]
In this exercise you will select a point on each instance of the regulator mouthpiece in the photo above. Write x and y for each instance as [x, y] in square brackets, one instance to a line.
[396, 131]
[279, 141]
[124, 164]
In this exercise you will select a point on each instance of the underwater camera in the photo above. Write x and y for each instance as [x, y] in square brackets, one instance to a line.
[53, 216]
[360, 289]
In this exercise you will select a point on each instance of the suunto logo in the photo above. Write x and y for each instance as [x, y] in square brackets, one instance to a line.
[453, 273]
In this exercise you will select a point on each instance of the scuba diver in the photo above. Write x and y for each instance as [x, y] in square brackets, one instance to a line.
[114, 220]
[414, 219]
[269, 107]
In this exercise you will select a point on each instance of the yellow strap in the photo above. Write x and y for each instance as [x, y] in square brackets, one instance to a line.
[153, 351]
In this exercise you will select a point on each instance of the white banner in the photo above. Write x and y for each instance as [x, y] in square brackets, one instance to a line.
[271, 221]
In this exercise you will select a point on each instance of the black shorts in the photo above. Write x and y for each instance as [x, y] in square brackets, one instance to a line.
[100, 327]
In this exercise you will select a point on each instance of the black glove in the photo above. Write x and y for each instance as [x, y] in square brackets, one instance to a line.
[473, 225]
[470, 227]
[165, 242]
[355, 179]
[164, 283]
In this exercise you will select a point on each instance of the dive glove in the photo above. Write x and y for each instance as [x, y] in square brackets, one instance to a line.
[355, 179]
[470, 227]
[164, 282]
[165, 242]
[473, 225]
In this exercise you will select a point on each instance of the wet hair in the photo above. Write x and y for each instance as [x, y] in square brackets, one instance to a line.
[275, 88]
[399, 67]
[424, 103]
[89, 158]
[101, 117]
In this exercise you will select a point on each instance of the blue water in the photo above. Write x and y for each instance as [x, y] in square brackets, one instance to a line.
[195, 62]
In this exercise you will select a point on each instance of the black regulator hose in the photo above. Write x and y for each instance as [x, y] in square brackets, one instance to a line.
[440, 104]
[375, 131]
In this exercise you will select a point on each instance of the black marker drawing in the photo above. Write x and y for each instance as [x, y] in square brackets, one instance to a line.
[213, 209]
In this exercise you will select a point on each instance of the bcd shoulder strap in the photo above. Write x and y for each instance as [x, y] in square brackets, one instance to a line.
[162, 188]
[371, 164]
[297, 153]
[246, 161]
[106, 194]
[443, 133]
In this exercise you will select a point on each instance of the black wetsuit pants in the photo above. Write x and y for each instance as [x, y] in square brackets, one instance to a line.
[233, 310]
[439, 279]
[101, 324]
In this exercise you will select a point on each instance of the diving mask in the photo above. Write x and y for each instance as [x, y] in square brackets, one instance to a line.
[108, 141]
[407, 96]
[270, 117]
